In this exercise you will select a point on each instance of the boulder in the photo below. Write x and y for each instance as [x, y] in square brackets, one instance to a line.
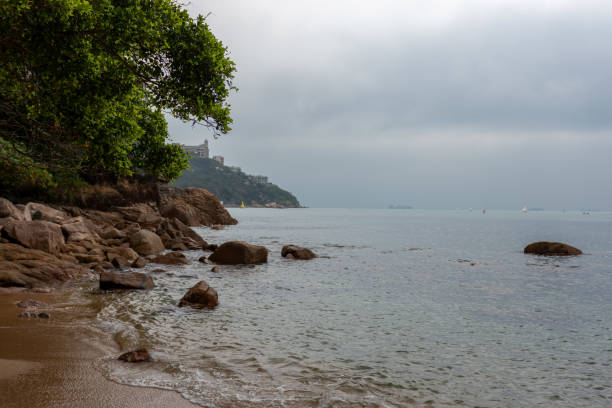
[296, 252]
[218, 227]
[238, 252]
[126, 253]
[120, 262]
[142, 214]
[211, 247]
[32, 268]
[193, 206]
[146, 242]
[171, 258]
[117, 280]
[111, 233]
[200, 296]
[8, 210]
[551, 248]
[203, 259]
[175, 233]
[79, 229]
[136, 356]
[45, 213]
[41, 235]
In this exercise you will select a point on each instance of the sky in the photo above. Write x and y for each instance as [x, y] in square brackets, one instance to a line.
[433, 103]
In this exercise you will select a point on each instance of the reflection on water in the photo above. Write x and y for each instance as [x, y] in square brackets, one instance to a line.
[404, 308]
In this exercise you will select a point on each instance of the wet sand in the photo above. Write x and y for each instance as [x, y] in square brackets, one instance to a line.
[52, 362]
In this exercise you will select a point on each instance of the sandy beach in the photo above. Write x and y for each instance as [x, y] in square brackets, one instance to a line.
[51, 362]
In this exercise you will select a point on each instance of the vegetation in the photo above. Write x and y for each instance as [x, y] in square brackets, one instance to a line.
[233, 187]
[84, 86]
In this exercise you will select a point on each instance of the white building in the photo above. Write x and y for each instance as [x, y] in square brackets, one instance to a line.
[218, 159]
[200, 151]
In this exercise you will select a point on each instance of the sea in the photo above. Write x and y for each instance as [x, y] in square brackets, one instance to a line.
[402, 308]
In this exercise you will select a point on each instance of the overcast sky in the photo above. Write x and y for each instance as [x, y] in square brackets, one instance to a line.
[432, 103]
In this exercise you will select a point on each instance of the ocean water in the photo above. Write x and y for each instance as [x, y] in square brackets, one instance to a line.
[403, 308]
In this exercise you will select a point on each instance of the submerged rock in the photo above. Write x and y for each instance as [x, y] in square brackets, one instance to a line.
[31, 303]
[551, 248]
[238, 252]
[136, 356]
[116, 280]
[201, 295]
[296, 252]
[171, 258]
[34, 315]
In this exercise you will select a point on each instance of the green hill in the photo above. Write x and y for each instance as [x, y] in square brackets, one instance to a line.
[232, 186]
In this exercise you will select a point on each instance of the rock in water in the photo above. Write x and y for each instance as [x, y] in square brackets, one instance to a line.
[238, 252]
[203, 259]
[551, 248]
[297, 252]
[171, 258]
[116, 280]
[139, 263]
[200, 296]
[136, 356]
[146, 242]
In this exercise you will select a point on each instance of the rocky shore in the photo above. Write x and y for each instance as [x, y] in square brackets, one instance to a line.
[43, 246]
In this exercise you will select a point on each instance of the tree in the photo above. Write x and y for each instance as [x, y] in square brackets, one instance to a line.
[84, 86]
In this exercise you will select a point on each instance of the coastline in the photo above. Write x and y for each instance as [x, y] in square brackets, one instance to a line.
[52, 362]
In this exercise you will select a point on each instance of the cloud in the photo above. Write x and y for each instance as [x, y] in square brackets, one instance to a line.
[444, 82]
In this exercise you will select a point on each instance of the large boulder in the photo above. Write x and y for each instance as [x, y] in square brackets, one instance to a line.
[146, 242]
[116, 280]
[41, 235]
[79, 229]
[8, 210]
[143, 214]
[171, 258]
[200, 296]
[238, 252]
[175, 234]
[193, 206]
[26, 267]
[296, 252]
[551, 248]
[43, 212]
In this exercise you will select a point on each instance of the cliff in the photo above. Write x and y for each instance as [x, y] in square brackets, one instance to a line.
[233, 186]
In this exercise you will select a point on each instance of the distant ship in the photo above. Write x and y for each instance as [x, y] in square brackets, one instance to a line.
[524, 209]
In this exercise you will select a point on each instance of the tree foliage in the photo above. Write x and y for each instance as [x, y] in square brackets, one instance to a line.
[84, 86]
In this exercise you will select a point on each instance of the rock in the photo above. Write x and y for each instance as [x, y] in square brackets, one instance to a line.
[238, 252]
[32, 268]
[41, 235]
[120, 262]
[143, 214]
[8, 210]
[159, 270]
[171, 258]
[290, 256]
[215, 269]
[217, 227]
[203, 259]
[136, 356]
[89, 258]
[77, 229]
[175, 233]
[111, 233]
[193, 206]
[45, 213]
[139, 263]
[200, 296]
[297, 252]
[146, 242]
[126, 253]
[211, 247]
[116, 280]
[551, 248]
[30, 303]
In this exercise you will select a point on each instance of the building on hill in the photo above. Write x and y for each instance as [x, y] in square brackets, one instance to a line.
[259, 179]
[235, 169]
[200, 151]
[218, 159]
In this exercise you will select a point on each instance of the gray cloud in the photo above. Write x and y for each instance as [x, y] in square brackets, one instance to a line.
[354, 104]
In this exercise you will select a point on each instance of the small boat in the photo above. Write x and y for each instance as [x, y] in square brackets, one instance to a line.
[484, 210]
[242, 205]
[524, 209]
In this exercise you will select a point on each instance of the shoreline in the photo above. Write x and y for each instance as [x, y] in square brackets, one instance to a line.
[52, 362]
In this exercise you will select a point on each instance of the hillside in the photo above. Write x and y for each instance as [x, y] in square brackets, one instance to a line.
[233, 186]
